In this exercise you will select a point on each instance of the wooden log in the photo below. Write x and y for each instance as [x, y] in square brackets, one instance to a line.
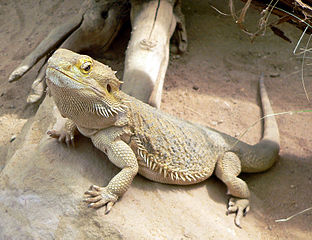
[153, 23]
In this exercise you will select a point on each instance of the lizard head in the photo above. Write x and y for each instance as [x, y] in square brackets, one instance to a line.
[79, 78]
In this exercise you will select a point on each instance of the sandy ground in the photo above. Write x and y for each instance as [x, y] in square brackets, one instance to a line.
[214, 83]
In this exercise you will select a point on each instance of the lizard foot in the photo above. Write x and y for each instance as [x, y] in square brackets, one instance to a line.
[62, 136]
[238, 206]
[100, 196]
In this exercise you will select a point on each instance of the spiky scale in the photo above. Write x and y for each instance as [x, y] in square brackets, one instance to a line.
[182, 177]
[150, 164]
[191, 176]
[154, 166]
[188, 178]
[109, 112]
[165, 172]
[141, 154]
[172, 176]
[176, 176]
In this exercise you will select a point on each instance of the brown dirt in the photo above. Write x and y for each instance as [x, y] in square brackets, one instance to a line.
[214, 83]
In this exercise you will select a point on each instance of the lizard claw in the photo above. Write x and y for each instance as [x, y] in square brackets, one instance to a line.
[240, 207]
[62, 136]
[100, 196]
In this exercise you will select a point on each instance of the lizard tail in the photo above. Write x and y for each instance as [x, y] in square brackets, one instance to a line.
[265, 152]
[270, 128]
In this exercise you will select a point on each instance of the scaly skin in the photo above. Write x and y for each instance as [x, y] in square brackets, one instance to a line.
[141, 139]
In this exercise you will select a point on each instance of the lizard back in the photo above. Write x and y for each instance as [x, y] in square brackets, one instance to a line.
[169, 149]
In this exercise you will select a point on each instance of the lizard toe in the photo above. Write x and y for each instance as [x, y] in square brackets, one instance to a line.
[52, 133]
[92, 193]
[99, 197]
[96, 188]
[109, 206]
[98, 204]
[62, 136]
[93, 199]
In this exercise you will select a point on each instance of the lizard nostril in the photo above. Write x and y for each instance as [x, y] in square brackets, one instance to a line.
[67, 67]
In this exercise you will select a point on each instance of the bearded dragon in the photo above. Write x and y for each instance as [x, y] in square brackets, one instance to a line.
[141, 139]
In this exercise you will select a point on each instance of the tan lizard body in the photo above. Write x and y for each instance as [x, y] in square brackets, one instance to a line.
[141, 139]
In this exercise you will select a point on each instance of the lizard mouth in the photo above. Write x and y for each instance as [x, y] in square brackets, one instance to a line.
[58, 73]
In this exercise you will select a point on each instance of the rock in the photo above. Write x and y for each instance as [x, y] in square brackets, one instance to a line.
[42, 186]
[195, 87]
[274, 74]
[42, 183]
[13, 138]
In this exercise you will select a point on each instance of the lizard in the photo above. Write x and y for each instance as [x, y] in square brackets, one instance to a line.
[139, 138]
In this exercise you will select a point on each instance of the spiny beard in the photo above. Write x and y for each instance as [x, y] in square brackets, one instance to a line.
[105, 110]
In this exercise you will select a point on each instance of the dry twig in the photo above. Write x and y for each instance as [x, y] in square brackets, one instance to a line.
[292, 216]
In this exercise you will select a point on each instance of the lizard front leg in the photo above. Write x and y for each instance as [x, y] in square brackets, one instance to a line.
[120, 154]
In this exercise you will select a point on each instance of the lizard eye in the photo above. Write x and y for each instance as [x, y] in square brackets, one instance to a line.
[86, 67]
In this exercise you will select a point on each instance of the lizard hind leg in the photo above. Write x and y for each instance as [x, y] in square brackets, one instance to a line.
[227, 169]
